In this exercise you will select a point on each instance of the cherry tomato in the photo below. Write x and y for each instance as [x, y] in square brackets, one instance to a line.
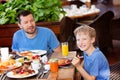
[21, 72]
[36, 56]
[33, 57]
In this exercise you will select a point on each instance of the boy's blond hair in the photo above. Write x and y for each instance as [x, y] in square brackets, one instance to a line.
[85, 29]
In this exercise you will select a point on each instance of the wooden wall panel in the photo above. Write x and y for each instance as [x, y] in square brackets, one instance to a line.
[7, 31]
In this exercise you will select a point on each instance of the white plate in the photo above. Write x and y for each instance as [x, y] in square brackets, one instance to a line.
[10, 75]
[38, 52]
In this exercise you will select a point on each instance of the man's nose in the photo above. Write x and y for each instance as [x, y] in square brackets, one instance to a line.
[29, 23]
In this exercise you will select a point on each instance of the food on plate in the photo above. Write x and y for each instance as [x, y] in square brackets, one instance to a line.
[1, 72]
[21, 60]
[12, 61]
[23, 71]
[35, 57]
[27, 59]
[27, 53]
[61, 61]
[7, 64]
[64, 61]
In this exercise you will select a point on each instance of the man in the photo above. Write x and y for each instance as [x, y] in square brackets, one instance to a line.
[32, 37]
[95, 65]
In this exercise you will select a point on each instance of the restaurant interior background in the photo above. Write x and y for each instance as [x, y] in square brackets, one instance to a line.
[104, 6]
[113, 55]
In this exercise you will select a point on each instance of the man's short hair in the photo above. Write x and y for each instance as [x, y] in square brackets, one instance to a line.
[23, 13]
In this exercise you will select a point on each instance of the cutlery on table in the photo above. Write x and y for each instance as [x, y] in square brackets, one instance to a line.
[3, 76]
[40, 71]
[46, 75]
[43, 73]
[39, 75]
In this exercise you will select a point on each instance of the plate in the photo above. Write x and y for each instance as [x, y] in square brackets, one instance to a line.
[33, 52]
[64, 62]
[38, 52]
[10, 75]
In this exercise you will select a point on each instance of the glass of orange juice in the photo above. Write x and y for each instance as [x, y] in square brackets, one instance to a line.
[53, 65]
[64, 48]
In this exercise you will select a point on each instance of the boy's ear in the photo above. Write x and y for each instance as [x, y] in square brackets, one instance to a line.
[93, 39]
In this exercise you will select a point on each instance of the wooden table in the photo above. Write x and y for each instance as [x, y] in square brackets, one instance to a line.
[63, 73]
[85, 15]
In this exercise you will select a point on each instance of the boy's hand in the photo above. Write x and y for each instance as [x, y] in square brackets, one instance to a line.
[76, 61]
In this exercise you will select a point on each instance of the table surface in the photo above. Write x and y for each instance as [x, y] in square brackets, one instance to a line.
[73, 11]
[65, 73]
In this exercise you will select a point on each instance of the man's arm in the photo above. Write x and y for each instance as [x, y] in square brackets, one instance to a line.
[58, 49]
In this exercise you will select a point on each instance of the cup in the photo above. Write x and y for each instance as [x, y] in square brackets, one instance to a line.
[44, 59]
[54, 65]
[35, 65]
[64, 48]
[4, 54]
[47, 67]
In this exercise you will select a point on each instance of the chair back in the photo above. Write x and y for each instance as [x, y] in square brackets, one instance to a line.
[66, 31]
[102, 27]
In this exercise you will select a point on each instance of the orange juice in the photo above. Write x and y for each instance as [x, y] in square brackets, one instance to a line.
[54, 66]
[65, 48]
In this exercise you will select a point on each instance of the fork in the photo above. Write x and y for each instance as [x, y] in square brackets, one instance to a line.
[40, 70]
[3, 76]
[39, 75]
[43, 73]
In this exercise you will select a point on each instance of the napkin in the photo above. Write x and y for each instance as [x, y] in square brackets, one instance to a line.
[4, 54]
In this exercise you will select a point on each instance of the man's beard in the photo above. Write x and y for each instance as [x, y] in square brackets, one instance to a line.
[31, 32]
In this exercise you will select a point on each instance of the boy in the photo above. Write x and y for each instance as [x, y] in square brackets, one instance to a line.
[95, 65]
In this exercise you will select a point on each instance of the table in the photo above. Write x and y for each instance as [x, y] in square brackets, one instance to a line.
[63, 73]
[84, 16]
[73, 11]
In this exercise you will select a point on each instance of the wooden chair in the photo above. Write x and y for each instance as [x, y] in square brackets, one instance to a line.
[102, 27]
[67, 26]
[115, 71]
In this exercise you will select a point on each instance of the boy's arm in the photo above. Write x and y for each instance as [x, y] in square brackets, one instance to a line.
[84, 74]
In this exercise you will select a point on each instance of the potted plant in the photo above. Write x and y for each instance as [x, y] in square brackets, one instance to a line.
[43, 10]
